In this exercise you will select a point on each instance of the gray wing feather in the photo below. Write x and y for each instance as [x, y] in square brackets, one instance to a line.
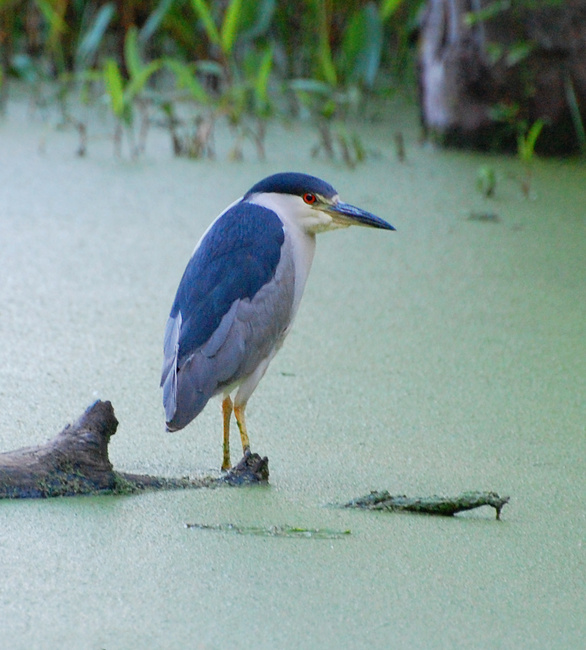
[250, 331]
[218, 338]
[169, 372]
[247, 334]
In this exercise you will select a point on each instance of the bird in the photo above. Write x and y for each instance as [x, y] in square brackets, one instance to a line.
[240, 292]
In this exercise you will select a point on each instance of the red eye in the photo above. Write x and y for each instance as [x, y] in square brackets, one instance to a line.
[309, 198]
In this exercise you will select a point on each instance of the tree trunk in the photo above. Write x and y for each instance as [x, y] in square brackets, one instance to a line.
[489, 70]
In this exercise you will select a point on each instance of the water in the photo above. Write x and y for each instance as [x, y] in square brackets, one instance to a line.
[448, 356]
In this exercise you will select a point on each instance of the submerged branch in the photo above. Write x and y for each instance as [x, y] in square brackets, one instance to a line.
[274, 531]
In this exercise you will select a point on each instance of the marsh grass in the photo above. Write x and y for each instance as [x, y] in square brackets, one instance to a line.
[188, 66]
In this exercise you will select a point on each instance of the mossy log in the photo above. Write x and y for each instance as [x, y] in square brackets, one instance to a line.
[434, 505]
[76, 462]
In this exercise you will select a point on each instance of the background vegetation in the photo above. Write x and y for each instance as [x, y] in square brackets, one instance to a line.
[188, 64]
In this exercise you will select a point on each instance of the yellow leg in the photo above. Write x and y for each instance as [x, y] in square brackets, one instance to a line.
[240, 420]
[227, 413]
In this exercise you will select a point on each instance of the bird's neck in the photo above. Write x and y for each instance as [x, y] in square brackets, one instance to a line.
[302, 247]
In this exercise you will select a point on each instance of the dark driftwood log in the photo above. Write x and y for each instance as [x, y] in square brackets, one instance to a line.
[435, 505]
[76, 463]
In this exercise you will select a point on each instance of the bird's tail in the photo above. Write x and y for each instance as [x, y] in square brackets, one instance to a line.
[182, 397]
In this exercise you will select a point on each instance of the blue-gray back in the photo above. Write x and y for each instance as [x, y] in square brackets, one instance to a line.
[237, 257]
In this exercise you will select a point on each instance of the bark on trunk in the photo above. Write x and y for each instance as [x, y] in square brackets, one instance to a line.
[486, 74]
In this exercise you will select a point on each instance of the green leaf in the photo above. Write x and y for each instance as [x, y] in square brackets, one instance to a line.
[186, 79]
[25, 68]
[503, 112]
[354, 41]
[205, 15]
[494, 52]
[114, 86]
[55, 20]
[92, 76]
[131, 52]
[369, 59]
[230, 26]
[534, 132]
[210, 67]
[328, 110]
[362, 45]
[89, 44]
[139, 80]
[388, 8]
[313, 86]
[262, 80]
[154, 21]
[488, 12]
[519, 51]
[526, 142]
[575, 113]
[256, 17]
[327, 67]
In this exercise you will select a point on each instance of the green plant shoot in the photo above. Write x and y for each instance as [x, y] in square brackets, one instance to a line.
[114, 86]
[526, 142]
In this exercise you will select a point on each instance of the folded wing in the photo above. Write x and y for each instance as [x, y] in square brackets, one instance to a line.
[232, 309]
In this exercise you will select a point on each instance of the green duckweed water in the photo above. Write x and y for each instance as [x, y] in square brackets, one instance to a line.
[445, 357]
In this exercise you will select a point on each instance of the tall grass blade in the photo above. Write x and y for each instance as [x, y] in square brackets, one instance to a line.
[326, 62]
[256, 18]
[362, 45]
[54, 18]
[205, 15]
[186, 79]
[154, 21]
[92, 39]
[575, 113]
[230, 26]
[139, 80]
[262, 80]
[131, 52]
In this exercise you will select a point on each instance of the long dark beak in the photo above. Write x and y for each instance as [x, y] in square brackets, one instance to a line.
[349, 215]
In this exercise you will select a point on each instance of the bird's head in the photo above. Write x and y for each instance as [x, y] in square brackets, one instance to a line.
[310, 203]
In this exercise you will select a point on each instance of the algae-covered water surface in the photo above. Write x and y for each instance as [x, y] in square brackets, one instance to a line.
[448, 356]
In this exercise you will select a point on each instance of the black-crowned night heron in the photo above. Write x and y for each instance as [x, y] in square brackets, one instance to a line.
[240, 292]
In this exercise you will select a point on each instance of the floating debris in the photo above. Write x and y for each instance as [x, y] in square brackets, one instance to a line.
[486, 217]
[274, 531]
[434, 505]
